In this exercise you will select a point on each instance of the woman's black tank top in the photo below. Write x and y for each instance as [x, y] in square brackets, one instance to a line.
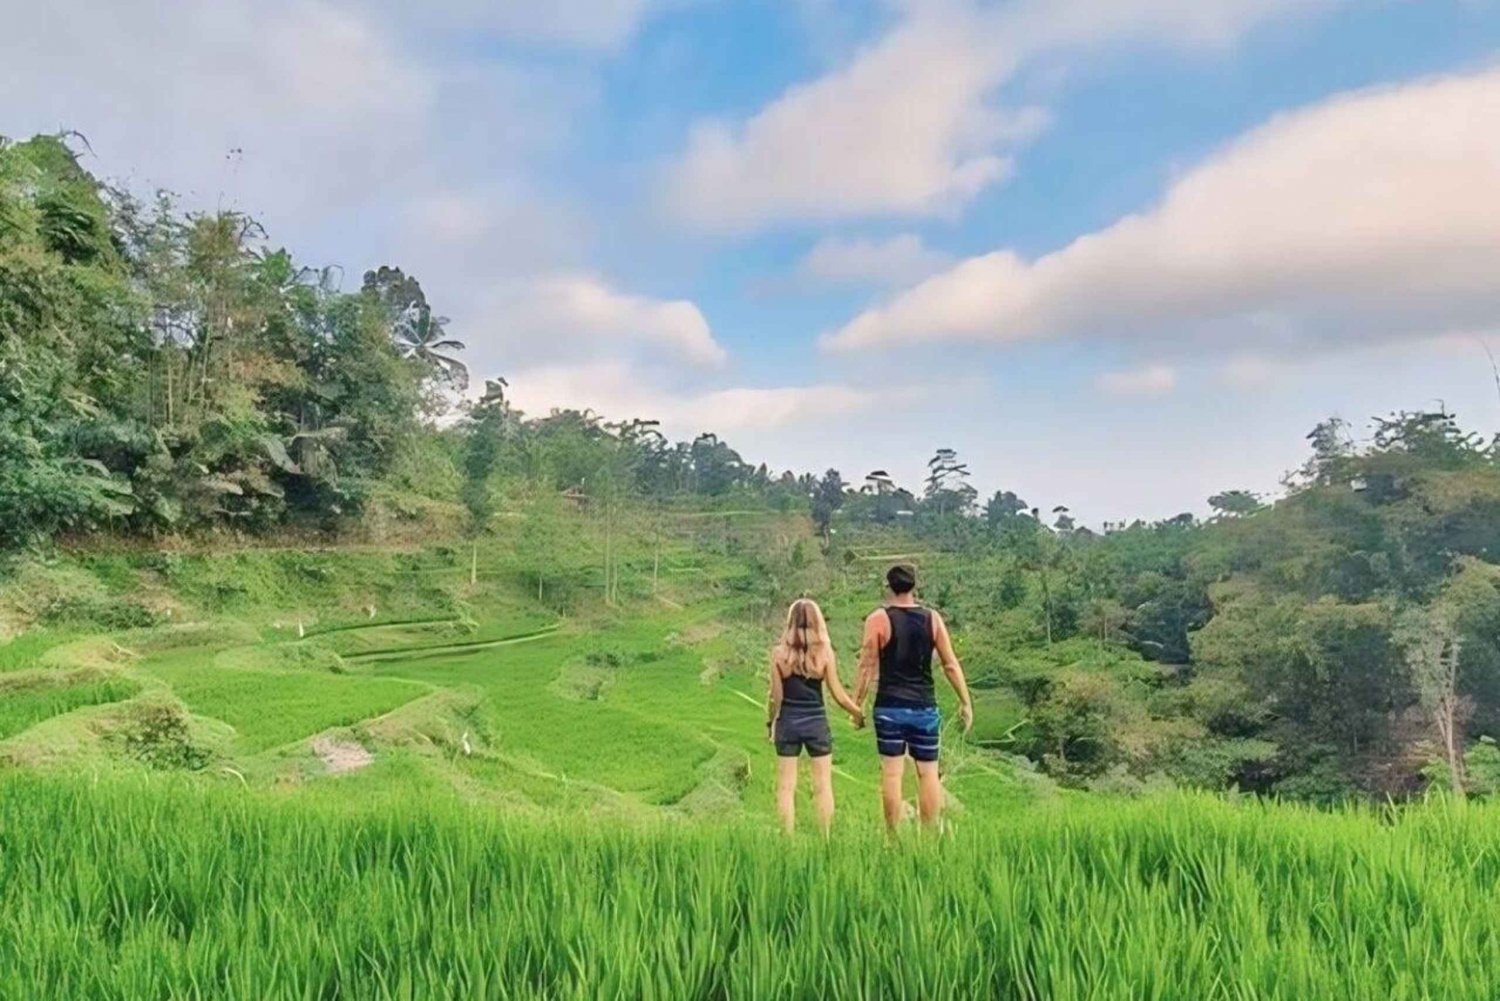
[906, 660]
[801, 695]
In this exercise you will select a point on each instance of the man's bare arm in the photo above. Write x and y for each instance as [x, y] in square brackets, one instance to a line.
[869, 658]
[953, 670]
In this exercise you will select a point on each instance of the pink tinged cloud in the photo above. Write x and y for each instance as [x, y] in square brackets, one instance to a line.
[1375, 213]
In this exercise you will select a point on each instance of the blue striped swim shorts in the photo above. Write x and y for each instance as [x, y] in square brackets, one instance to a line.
[907, 731]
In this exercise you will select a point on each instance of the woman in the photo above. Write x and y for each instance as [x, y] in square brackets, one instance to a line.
[795, 720]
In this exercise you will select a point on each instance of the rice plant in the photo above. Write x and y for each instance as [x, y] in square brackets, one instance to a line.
[124, 888]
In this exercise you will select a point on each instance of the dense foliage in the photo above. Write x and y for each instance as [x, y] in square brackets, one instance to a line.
[160, 370]
[1344, 639]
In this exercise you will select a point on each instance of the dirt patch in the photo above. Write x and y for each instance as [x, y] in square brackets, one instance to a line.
[340, 756]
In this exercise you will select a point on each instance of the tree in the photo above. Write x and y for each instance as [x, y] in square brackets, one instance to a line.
[827, 497]
[1002, 508]
[878, 483]
[947, 485]
[1331, 446]
[1063, 520]
[424, 337]
[418, 332]
[487, 427]
[1235, 503]
[716, 468]
[1432, 648]
[541, 537]
[394, 290]
[1104, 618]
[1433, 436]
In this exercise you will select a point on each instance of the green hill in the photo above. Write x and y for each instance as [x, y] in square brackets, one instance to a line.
[264, 666]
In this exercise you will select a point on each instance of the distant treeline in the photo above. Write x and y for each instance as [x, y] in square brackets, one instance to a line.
[1343, 640]
[164, 371]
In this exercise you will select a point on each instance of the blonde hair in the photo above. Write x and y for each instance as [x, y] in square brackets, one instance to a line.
[804, 648]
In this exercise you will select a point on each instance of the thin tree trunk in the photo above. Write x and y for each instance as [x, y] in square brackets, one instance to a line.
[1455, 761]
[656, 555]
[1047, 604]
[608, 542]
[1448, 716]
[474, 564]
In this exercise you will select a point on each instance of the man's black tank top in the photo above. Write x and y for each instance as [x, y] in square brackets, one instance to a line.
[906, 660]
[801, 696]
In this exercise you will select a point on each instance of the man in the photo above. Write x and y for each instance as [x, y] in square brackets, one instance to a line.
[896, 656]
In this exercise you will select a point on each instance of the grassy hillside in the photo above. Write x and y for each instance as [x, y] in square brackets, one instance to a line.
[400, 670]
[398, 772]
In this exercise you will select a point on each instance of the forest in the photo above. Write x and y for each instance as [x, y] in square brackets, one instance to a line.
[169, 374]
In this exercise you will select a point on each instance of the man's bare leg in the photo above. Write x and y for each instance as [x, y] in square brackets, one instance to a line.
[892, 771]
[929, 792]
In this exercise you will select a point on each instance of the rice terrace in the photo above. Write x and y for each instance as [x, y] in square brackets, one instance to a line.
[887, 499]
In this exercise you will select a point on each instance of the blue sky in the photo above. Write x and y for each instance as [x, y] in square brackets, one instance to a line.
[1120, 253]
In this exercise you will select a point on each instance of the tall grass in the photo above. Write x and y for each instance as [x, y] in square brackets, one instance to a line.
[271, 708]
[149, 890]
[24, 706]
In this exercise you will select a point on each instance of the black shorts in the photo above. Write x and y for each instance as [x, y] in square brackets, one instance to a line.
[797, 732]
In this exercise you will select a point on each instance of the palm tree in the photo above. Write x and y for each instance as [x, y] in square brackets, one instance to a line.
[422, 336]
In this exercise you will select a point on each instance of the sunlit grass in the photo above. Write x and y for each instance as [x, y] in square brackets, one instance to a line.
[138, 890]
[24, 651]
[271, 708]
[23, 707]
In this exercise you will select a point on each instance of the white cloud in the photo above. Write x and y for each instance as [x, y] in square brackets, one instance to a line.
[1247, 371]
[906, 126]
[1147, 381]
[297, 103]
[898, 260]
[537, 320]
[585, 24]
[619, 390]
[900, 129]
[778, 406]
[471, 237]
[1371, 215]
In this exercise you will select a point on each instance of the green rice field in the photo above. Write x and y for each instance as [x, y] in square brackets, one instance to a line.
[403, 791]
[132, 891]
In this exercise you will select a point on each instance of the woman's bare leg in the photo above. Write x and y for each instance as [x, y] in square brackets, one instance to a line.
[892, 771]
[822, 785]
[929, 792]
[786, 792]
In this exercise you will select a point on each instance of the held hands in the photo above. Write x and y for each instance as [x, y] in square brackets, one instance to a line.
[857, 718]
